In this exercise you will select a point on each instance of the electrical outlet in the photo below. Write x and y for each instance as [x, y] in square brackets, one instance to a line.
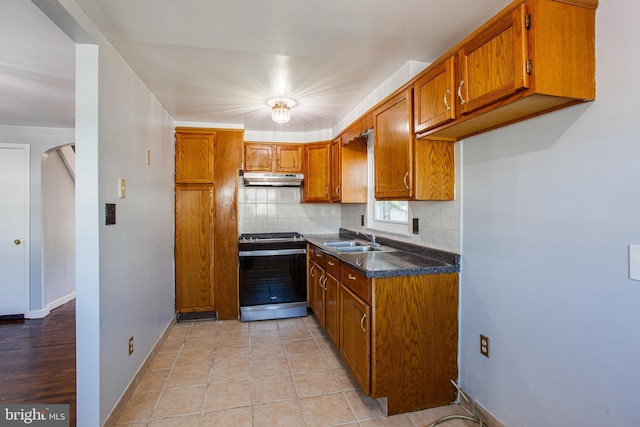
[130, 346]
[362, 220]
[148, 157]
[484, 345]
[416, 226]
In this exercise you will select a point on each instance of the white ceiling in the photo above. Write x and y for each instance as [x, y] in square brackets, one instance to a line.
[219, 61]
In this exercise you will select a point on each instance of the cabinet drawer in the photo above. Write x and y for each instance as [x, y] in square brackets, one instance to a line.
[319, 256]
[356, 282]
[332, 266]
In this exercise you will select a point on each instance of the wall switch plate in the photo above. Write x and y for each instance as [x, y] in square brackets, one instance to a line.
[634, 262]
[416, 226]
[122, 188]
[130, 346]
[484, 345]
[148, 157]
[109, 213]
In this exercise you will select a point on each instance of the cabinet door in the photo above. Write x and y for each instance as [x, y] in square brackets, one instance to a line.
[336, 161]
[355, 336]
[316, 166]
[194, 248]
[393, 148]
[435, 97]
[493, 64]
[258, 157]
[332, 308]
[318, 293]
[288, 158]
[353, 171]
[194, 158]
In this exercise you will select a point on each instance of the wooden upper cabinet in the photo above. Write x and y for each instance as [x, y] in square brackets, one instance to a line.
[286, 158]
[353, 171]
[434, 93]
[533, 57]
[393, 148]
[194, 158]
[289, 158]
[493, 64]
[336, 166]
[317, 172]
[258, 157]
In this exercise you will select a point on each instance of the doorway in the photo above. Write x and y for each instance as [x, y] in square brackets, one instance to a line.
[14, 230]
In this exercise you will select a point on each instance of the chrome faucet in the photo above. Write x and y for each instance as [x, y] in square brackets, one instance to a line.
[371, 237]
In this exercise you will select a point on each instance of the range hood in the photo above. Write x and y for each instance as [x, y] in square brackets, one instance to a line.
[271, 179]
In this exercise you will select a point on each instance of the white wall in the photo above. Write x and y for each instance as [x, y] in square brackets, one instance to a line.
[124, 272]
[136, 254]
[40, 140]
[58, 231]
[549, 207]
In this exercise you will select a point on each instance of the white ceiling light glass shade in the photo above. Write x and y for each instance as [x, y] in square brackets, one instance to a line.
[281, 109]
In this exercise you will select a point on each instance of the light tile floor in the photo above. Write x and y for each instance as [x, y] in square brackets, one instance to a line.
[261, 374]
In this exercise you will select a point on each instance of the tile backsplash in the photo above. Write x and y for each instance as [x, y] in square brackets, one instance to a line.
[273, 209]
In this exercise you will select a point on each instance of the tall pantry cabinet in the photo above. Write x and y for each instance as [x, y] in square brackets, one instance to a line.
[206, 220]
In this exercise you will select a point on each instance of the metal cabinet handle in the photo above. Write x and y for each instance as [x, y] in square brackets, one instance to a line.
[351, 277]
[364, 316]
[319, 255]
[17, 242]
[331, 263]
[462, 101]
[338, 190]
[326, 191]
[313, 266]
[324, 284]
[406, 175]
[446, 104]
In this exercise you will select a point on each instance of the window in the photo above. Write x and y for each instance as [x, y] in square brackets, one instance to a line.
[392, 211]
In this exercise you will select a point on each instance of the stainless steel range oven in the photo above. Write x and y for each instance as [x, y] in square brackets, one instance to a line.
[273, 276]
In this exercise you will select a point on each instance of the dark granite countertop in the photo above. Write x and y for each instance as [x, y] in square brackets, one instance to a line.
[402, 259]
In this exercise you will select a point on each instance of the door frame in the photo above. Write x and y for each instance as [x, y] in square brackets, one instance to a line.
[27, 215]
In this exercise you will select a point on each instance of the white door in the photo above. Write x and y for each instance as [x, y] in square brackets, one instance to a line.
[14, 215]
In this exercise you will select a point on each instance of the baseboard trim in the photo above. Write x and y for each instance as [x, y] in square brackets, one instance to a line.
[112, 419]
[44, 312]
[489, 419]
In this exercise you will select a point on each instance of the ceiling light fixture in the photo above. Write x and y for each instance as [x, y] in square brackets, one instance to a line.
[281, 109]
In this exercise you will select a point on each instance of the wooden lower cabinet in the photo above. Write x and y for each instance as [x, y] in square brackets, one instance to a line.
[332, 308]
[194, 248]
[414, 341]
[398, 335]
[355, 336]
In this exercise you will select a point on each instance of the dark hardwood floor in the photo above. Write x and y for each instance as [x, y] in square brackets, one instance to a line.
[38, 359]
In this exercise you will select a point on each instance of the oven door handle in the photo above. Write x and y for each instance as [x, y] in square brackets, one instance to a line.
[272, 252]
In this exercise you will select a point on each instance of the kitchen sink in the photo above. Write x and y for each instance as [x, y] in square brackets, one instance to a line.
[367, 248]
[345, 243]
[354, 246]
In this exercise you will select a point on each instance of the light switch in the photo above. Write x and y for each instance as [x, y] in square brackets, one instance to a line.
[634, 262]
[109, 213]
[122, 188]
